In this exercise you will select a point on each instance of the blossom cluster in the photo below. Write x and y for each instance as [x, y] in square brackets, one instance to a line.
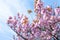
[45, 26]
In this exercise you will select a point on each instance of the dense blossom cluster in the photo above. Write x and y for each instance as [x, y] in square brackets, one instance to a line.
[45, 26]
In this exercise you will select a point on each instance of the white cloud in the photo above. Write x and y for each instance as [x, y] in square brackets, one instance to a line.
[13, 3]
[4, 11]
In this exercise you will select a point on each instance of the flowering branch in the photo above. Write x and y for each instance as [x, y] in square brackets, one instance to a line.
[45, 26]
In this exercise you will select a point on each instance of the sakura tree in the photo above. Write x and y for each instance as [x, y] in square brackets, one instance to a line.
[45, 26]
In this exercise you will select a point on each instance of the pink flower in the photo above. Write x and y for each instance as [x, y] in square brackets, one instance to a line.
[57, 11]
[44, 26]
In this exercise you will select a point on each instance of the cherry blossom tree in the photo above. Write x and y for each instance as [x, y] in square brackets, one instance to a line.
[45, 26]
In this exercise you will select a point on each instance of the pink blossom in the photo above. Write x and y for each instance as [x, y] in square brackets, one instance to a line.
[45, 26]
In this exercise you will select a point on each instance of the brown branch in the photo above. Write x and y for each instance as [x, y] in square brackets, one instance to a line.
[19, 34]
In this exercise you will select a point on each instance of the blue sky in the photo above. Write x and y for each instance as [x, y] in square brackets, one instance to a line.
[11, 8]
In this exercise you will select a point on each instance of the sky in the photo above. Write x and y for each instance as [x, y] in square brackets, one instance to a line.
[11, 8]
